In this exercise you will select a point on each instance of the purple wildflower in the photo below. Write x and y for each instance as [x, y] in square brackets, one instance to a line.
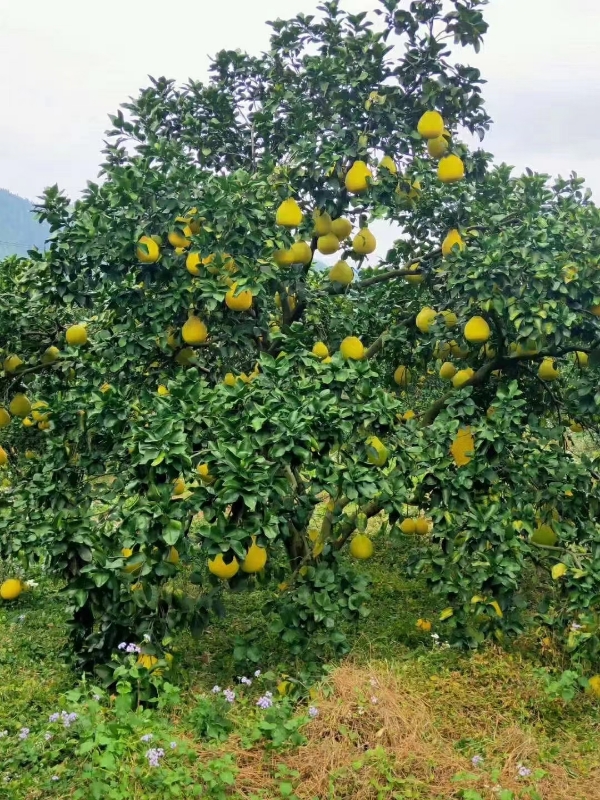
[122, 646]
[477, 761]
[216, 690]
[154, 755]
[229, 695]
[264, 702]
[68, 719]
[313, 712]
[54, 717]
[524, 772]
[257, 673]
[147, 737]
[133, 648]
[24, 733]
[173, 745]
[246, 681]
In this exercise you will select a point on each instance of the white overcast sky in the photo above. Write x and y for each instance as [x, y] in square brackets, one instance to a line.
[66, 64]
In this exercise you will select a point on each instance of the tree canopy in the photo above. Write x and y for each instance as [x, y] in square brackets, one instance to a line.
[220, 388]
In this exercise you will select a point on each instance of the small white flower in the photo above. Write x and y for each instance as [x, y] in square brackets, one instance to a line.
[374, 700]
[31, 584]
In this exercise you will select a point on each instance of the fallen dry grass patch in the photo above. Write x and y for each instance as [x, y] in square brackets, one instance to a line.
[382, 729]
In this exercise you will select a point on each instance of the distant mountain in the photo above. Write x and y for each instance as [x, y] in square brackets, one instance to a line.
[19, 229]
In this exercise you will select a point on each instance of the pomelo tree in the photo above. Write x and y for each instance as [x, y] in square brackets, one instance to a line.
[184, 363]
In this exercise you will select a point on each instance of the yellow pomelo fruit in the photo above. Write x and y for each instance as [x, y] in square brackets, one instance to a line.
[76, 335]
[300, 253]
[203, 471]
[173, 556]
[320, 350]
[37, 413]
[342, 273]
[544, 534]
[147, 661]
[130, 568]
[377, 452]
[441, 350]
[238, 302]
[147, 250]
[408, 415]
[229, 379]
[322, 222]
[357, 178]
[256, 558]
[178, 486]
[342, 228]
[461, 377]
[558, 570]
[421, 526]
[181, 239]
[408, 526]
[11, 589]
[30, 453]
[402, 376]
[192, 263]
[431, 125]
[12, 363]
[19, 406]
[327, 360]
[437, 147]
[194, 331]
[450, 319]
[222, 570]
[162, 390]
[3, 457]
[462, 447]
[594, 685]
[447, 371]
[291, 298]
[387, 162]
[352, 348]
[457, 351]
[581, 359]
[4, 418]
[424, 319]
[289, 214]
[364, 242]
[451, 169]
[283, 258]
[50, 355]
[451, 240]
[477, 331]
[328, 244]
[361, 547]
[414, 280]
[547, 370]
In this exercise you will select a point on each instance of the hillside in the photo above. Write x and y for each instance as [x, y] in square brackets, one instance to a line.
[19, 230]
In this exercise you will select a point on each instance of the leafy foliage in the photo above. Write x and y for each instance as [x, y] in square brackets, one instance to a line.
[106, 482]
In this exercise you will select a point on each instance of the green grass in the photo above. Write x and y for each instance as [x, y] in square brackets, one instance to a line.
[460, 692]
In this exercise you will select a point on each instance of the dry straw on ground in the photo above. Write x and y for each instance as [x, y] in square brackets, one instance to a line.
[411, 733]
